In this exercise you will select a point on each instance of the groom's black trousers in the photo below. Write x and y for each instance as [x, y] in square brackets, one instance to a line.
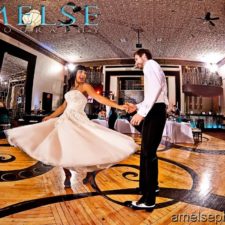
[152, 130]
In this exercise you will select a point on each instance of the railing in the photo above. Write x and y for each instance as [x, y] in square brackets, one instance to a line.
[201, 76]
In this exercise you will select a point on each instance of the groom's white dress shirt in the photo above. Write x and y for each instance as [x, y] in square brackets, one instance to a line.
[155, 88]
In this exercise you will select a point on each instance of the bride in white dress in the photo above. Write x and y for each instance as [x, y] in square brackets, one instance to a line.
[72, 140]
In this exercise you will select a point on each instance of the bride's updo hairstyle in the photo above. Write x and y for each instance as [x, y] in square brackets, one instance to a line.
[73, 74]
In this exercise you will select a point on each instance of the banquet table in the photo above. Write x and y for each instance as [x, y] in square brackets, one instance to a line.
[173, 131]
[178, 132]
[124, 126]
[101, 122]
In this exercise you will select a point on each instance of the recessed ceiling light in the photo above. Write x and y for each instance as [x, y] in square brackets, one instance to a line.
[212, 67]
[158, 39]
[211, 57]
[71, 67]
[123, 40]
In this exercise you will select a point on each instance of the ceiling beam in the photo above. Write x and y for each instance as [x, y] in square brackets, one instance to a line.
[128, 61]
[221, 62]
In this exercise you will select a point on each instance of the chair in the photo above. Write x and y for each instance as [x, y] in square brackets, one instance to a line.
[197, 134]
[200, 124]
[4, 122]
[223, 124]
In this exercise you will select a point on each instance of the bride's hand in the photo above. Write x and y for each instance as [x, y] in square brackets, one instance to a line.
[46, 118]
[131, 107]
[124, 107]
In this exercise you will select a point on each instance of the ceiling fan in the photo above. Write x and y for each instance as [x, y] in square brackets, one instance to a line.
[208, 18]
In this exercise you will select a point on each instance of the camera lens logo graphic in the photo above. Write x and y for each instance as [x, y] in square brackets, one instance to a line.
[32, 19]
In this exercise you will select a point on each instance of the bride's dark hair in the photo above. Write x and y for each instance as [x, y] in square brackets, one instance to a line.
[73, 74]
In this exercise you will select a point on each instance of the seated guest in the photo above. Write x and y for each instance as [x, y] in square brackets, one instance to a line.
[4, 119]
[175, 111]
[3, 110]
[102, 115]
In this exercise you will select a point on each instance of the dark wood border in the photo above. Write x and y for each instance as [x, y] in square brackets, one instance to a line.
[221, 62]
[130, 61]
[202, 90]
[30, 58]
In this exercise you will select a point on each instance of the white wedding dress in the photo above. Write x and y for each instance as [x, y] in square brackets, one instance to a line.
[72, 140]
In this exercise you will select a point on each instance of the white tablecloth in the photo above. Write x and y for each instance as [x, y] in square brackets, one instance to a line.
[178, 132]
[175, 132]
[124, 126]
[101, 122]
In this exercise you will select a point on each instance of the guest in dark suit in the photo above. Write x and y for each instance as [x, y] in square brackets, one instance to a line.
[112, 118]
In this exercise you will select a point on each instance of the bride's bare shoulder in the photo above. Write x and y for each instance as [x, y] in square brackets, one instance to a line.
[87, 86]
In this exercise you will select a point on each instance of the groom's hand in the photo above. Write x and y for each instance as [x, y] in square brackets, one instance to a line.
[131, 107]
[136, 119]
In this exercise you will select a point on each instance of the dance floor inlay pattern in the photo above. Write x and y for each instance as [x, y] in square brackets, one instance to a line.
[190, 180]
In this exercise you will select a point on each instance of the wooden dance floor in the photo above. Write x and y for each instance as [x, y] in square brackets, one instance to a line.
[191, 180]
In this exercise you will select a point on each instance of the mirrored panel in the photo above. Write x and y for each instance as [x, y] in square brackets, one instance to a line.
[12, 84]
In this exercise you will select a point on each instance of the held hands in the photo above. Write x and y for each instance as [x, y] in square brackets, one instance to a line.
[124, 107]
[136, 119]
[131, 107]
[128, 107]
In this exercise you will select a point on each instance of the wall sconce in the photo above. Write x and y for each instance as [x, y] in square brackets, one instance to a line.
[212, 67]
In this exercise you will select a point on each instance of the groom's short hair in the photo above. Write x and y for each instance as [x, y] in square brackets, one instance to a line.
[143, 51]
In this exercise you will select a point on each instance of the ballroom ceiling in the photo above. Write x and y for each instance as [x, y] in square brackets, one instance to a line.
[169, 28]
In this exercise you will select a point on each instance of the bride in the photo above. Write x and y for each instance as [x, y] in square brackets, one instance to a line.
[67, 138]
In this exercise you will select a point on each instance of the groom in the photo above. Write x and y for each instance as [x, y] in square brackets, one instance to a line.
[152, 111]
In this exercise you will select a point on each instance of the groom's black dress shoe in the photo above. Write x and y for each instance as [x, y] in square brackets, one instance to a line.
[140, 206]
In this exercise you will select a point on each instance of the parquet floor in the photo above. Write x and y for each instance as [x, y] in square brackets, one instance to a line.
[191, 179]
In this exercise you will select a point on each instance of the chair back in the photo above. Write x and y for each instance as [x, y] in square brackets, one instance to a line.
[200, 124]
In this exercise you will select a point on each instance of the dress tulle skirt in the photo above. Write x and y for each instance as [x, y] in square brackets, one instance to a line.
[72, 144]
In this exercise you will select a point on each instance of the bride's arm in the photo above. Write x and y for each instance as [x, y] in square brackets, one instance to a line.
[99, 98]
[57, 112]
